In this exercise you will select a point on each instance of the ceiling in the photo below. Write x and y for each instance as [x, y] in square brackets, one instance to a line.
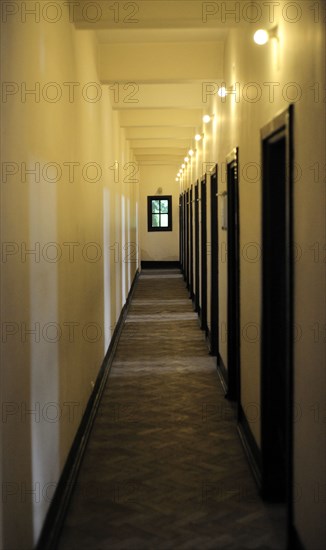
[155, 57]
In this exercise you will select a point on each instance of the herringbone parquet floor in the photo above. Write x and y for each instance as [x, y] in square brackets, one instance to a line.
[164, 467]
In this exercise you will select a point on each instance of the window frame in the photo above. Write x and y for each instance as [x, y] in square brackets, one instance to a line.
[150, 199]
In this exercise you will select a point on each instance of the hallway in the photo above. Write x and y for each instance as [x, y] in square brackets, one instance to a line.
[139, 138]
[164, 467]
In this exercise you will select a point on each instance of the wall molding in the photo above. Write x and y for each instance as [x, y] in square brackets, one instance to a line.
[160, 265]
[58, 508]
[251, 449]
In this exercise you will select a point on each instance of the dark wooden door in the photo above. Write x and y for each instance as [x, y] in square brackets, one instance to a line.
[203, 239]
[184, 244]
[186, 239]
[191, 244]
[276, 341]
[181, 231]
[213, 337]
[233, 279]
[197, 307]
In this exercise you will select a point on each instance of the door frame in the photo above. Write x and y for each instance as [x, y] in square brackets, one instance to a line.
[184, 235]
[214, 229]
[233, 276]
[279, 128]
[186, 238]
[203, 248]
[181, 231]
[191, 243]
[196, 297]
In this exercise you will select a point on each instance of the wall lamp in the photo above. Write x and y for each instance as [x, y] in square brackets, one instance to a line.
[207, 118]
[262, 36]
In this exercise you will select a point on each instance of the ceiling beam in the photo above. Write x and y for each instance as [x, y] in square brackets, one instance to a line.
[159, 132]
[173, 61]
[189, 118]
[169, 14]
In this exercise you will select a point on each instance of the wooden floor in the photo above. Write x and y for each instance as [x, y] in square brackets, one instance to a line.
[164, 466]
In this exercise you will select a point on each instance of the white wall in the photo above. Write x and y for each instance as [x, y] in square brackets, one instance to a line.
[159, 246]
[70, 292]
[295, 65]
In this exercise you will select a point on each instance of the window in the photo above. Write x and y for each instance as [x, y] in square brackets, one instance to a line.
[159, 213]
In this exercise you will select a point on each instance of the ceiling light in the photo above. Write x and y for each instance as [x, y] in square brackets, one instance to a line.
[186, 159]
[190, 152]
[183, 166]
[197, 137]
[222, 91]
[206, 119]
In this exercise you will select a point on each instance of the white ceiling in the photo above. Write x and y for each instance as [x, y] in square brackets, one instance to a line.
[154, 56]
[106, 36]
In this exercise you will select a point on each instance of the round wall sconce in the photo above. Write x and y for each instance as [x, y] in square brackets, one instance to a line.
[262, 36]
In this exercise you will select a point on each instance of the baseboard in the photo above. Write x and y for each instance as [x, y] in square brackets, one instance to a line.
[223, 373]
[294, 541]
[250, 447]
[160, 265]
[203, 322]
[209, 340]
[51, 530]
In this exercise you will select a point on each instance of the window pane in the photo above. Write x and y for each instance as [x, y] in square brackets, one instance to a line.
[155, 220]
[164, 206]
[164, 220]
[159, 213]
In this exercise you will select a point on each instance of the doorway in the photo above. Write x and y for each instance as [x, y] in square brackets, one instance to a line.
[186, 237]
[233, 278]
[197, 307]
[191, 252]
[203, 242]
[181, 232]
[277, 305]
[213, 334]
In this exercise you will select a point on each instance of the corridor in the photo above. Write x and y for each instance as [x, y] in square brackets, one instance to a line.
[162, 238]
[164, 467]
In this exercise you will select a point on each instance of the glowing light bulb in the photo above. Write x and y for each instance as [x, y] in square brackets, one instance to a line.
[197, 137]
[183, 165]
[206, 119]
[261, 37]
[190, 152]
[222, 91]
[186, 159]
